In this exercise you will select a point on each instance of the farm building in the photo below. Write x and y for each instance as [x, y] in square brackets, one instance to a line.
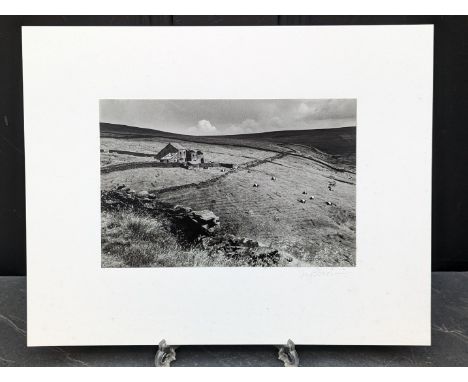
[175, 152]
[195, 157]
[172, 152]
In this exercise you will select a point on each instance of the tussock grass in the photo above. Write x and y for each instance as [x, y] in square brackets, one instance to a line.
[129, 239]
[342, 216]
[132, 240]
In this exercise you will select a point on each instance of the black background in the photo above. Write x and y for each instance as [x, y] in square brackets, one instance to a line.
[450, 134]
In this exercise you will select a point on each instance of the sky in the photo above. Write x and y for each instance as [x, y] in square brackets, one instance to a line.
[221, 117]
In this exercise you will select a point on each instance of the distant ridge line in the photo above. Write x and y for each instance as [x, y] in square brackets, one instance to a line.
[339, 141]
[159, 133]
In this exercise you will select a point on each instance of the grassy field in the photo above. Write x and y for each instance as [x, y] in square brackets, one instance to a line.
[215, 153]
[142, 179]
[315, 232]
[318, 232]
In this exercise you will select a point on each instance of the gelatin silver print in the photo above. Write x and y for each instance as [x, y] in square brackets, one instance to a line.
[228, 183]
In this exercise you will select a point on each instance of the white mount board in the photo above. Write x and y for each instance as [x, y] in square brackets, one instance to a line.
[384, 300]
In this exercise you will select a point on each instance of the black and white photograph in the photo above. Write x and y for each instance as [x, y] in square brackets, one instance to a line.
[228, 182]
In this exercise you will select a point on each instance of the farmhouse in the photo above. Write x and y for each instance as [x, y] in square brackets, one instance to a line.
[176, 153]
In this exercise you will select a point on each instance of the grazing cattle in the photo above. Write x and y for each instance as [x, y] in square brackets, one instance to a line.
[329, 203]
[302, 200]
[304, 192]
[255, 184]
[222, 170]
[312, 197]
[273, 178]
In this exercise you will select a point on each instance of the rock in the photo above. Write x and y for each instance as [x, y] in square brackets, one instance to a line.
[204, 216]
[252, 243]
[151, 196]
[142, 194]
[205, 220]
[182, 209]
[132, 191]
[121, 186]
[246, 251]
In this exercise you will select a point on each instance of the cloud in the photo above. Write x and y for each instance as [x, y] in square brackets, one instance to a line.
[326, 109]
[304, 110]
[224, 116]
[276, 122]
[247, 126]
[203, 127]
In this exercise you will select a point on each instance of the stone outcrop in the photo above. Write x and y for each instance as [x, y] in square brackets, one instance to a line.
[207, 220]
[201, 222]
[199, 228]
[123, 197]
[247, 251]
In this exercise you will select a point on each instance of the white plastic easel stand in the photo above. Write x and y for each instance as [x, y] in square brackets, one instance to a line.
[288, 354]
[166, 354]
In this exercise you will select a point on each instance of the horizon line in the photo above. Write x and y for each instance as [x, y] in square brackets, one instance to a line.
[224, 135]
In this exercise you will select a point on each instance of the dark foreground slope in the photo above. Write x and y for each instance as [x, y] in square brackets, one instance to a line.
[332, 141]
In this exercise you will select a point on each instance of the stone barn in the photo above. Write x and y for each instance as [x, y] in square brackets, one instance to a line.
[195, 157]
[176, 153]
[200, 156]
[171, 153]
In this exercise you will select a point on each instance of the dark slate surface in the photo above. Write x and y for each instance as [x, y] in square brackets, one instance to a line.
[449, 339]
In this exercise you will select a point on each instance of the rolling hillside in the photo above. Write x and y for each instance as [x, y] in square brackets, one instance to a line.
[338, 141]
[291, 191]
